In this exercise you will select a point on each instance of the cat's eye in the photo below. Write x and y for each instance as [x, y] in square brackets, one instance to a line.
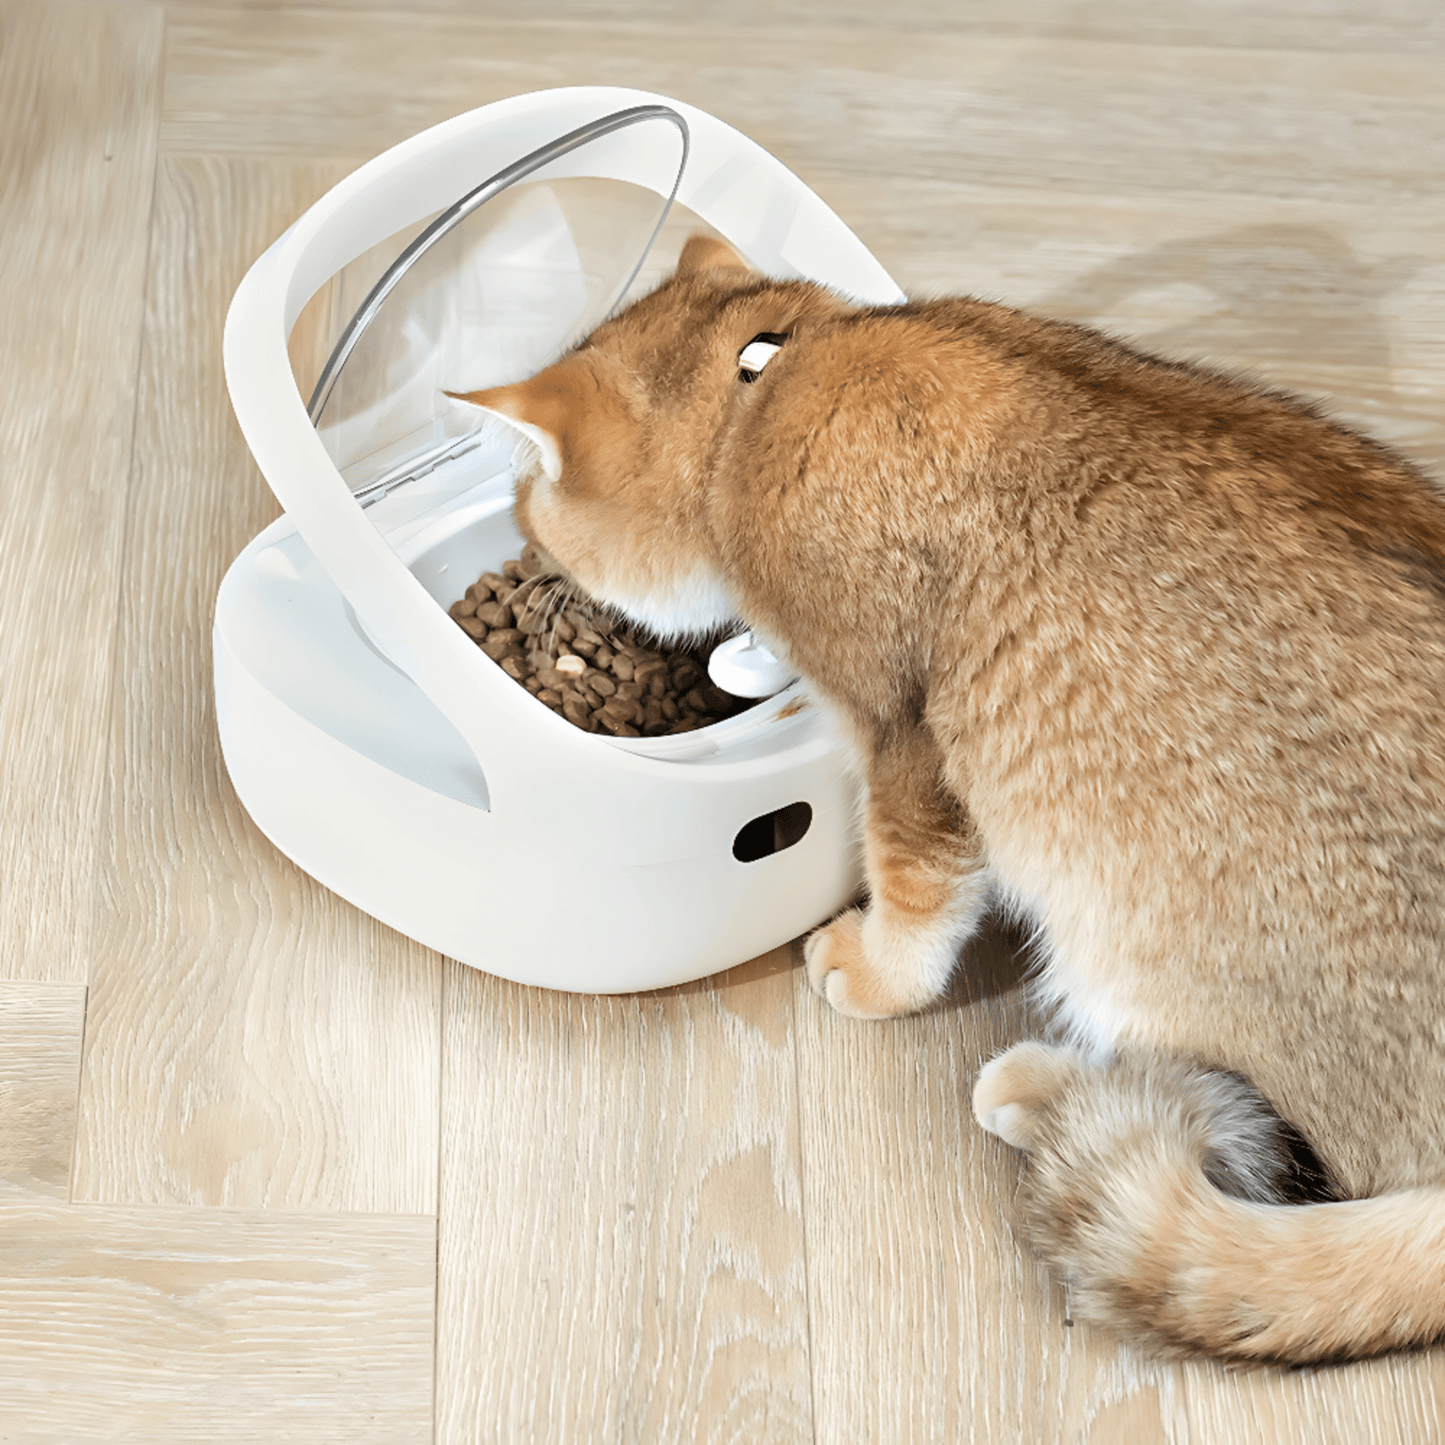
[757, 353]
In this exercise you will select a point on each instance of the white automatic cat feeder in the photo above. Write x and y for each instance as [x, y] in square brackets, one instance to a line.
[364, 731]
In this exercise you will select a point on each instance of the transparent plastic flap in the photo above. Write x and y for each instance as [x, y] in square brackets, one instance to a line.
[486, 293]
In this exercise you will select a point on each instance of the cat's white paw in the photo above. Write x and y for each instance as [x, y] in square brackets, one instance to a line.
[828, 954]
[840, 970]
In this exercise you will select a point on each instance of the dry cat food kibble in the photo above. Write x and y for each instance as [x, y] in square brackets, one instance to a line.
[600, 677]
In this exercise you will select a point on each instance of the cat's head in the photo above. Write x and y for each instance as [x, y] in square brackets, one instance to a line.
[627, 429]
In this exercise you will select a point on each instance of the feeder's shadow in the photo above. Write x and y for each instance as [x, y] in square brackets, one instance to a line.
[742, 975]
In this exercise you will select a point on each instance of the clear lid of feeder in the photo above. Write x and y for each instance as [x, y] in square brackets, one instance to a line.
[487, 292]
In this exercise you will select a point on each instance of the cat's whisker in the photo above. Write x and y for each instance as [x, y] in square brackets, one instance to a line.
[552, 608]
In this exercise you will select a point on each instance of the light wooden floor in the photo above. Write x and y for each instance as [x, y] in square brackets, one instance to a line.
[269, 1171]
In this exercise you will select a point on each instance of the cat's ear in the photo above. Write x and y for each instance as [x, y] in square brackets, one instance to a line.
[529, 409]
[707, 253]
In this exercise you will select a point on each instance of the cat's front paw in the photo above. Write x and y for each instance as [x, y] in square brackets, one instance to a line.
[1014, 1091]
[841, 970]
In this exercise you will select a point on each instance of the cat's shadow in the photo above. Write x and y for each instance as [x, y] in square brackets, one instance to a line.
[1271, 298]
[995, 961]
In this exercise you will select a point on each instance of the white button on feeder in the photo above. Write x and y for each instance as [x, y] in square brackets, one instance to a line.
[745, 668]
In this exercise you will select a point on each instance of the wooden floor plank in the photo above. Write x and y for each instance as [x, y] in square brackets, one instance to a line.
[198, 1325]
[1395, 1401]
[621, 1238]
[79, 113]
[252, 1040]
[40, 1033]
[1356, 26]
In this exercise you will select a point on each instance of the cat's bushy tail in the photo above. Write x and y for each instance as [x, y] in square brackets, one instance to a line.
[1148, 1185]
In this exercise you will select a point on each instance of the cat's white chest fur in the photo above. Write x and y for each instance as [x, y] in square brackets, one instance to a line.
[1091, 1017]
[1073, 987]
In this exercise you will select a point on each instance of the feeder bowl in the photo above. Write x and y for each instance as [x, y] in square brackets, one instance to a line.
[364, 731]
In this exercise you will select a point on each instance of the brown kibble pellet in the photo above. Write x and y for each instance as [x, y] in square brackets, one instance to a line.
[495, 614]
[601, 683]
[621, 709]
[464, 607]
[622, 666]
[473, 626]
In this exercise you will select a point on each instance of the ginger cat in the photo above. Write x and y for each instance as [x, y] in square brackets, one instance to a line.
[1147, 656]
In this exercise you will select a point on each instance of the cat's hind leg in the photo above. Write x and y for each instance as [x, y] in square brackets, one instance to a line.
[928, 890]
[1078, 1121]
[1015, 1092]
